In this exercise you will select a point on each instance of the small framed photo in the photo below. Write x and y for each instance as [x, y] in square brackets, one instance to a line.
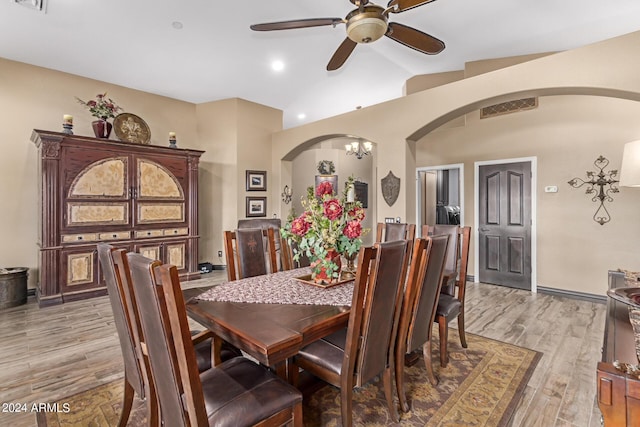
[256, 207]
[256, 180]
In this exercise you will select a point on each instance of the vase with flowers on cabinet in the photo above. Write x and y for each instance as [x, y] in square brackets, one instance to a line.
[102, 108]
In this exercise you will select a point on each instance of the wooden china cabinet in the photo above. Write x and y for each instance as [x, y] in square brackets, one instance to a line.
[143, 198]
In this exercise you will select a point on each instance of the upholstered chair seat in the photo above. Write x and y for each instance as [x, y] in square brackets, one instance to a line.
[242, 393]
[448, 307]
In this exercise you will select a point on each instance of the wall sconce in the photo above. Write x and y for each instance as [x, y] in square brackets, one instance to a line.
[599, 179]
[286, 194]
[359, 149]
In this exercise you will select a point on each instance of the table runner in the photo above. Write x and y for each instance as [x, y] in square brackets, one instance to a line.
[280, 288]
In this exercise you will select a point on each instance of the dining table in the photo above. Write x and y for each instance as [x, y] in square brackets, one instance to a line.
[271, 317]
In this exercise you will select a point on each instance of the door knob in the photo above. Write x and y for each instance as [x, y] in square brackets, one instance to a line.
[483, 229]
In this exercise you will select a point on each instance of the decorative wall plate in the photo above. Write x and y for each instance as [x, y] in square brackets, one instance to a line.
[131, 128]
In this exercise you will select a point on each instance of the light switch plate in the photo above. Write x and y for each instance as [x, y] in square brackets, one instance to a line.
[551, 189]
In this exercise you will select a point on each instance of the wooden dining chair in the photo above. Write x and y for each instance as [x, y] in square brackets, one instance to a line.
[355, 355]
[418, 308]
[452, 306]
[390, 231]
[238, 392]
[250, 252]
[137, 379]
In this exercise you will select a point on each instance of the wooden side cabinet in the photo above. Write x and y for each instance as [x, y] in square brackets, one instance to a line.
[618, 393]
[142, 198]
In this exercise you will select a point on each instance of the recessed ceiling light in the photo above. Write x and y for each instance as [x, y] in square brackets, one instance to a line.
[277, 65]
[176, 25]
[302, 116]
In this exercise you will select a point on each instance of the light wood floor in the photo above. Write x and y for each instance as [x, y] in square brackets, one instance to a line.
[49, 353]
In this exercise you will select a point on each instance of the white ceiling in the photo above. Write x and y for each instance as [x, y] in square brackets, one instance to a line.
[216, 56]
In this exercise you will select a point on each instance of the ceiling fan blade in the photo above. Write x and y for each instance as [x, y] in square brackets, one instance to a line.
[415, 39]
[403, 5]
[296, 23]
[341, 54]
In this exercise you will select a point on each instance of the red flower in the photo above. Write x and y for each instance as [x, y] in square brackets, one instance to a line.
[332, 209]
[357, 214]
[325, 187]
[91, 103]
[353, 229]
[300, 226]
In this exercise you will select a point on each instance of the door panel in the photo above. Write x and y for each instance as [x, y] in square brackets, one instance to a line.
[505, 224]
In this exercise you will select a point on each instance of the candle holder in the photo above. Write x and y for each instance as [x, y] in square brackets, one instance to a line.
[67, 128]
[172, 142]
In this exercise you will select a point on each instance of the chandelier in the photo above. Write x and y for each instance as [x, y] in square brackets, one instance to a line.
[359, 149]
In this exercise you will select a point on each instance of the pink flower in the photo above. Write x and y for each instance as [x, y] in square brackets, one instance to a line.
[325, 187]
[300, 226]
[353, 229]
[332, 209]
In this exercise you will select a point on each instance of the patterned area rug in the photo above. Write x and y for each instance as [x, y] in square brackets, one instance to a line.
[481, 386]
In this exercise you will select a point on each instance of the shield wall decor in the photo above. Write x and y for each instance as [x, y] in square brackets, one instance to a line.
[390, 185]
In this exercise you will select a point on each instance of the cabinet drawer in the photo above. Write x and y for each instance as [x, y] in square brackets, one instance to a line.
[86, 237]
[176, 232]
[149, 233]
[116, 235]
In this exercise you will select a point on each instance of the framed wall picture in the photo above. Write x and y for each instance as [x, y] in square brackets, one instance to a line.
[362, 192]
[333, 179]
[256, 207]
[256, 180]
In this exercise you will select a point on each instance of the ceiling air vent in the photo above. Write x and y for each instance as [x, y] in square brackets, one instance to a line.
[40, 5]
[508, 107]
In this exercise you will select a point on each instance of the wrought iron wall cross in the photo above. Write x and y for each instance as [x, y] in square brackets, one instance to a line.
[599, 179]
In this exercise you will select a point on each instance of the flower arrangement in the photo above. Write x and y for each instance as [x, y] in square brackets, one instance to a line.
[102, 107]
[328, 227]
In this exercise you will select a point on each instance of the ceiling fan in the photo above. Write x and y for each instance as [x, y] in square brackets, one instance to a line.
[365, 24]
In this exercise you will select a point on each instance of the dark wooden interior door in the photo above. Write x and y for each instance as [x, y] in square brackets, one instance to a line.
[504, 234]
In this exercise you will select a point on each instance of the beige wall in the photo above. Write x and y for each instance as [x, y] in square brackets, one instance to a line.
[574, 252]
[37, 98]
[608, 69]
[235, 135]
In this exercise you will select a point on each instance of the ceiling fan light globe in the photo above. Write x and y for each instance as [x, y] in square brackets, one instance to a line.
[367, 30]
[366, 26]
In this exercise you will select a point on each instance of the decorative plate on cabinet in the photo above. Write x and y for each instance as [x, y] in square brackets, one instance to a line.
[131, 128]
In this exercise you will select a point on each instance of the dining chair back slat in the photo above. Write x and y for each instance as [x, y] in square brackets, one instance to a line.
[452, 261]
[452, 306]
[390, 231]
[162, 356]
[127, 323]
[245, 252]
[418, 308]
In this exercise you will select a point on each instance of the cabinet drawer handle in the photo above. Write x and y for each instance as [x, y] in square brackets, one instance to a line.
[115, 235]
[79, 237]
[148, 233]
